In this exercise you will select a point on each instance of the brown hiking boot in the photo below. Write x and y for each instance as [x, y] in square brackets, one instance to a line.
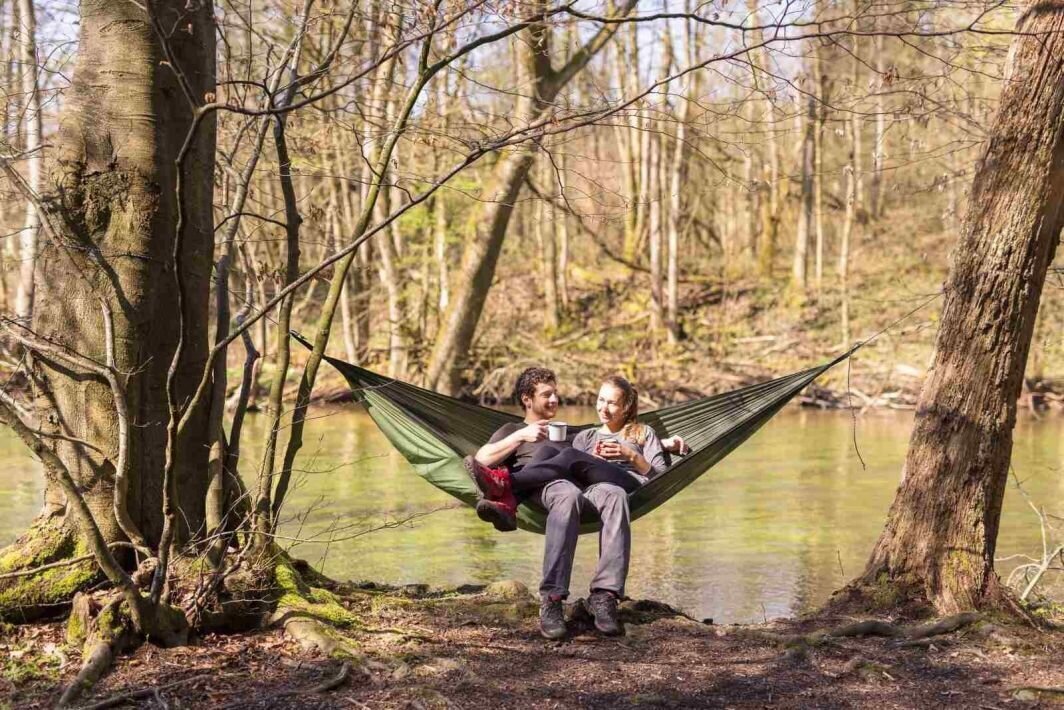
[603, 606]
[552, 619]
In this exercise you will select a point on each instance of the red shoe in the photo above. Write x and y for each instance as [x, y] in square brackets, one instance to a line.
[501, 514]
[491, 483]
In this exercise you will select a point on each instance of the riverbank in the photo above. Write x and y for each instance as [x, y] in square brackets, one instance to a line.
[478, 647]
[870, 387]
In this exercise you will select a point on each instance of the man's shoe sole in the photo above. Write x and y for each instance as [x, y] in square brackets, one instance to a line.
[490, 513]
[618, 631]
[553, 637]
[471, 468]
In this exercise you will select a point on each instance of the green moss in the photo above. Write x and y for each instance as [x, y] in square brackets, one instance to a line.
[38, 595]
[41, 544]
[52, 587]
[885, 593]
[296, 595]
[959, 563]
[109, 622]
[76, 633]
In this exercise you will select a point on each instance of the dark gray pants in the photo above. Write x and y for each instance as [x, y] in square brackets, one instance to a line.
[564, 503]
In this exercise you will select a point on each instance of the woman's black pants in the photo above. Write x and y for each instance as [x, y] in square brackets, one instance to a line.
[552, 463]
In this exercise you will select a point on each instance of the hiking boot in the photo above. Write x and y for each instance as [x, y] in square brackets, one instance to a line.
[499, 513]
[603, 606]
[552, 619]
[491, 483]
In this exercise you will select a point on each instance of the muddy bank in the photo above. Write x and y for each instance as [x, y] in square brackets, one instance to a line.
[478, 647]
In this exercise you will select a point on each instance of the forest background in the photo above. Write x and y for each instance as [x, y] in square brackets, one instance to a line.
[698, 195]
[750, 218]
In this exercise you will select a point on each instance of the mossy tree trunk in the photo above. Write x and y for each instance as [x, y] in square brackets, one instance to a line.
[941, 531]
[110, 201]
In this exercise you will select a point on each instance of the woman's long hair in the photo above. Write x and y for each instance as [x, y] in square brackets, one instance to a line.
[632, 430]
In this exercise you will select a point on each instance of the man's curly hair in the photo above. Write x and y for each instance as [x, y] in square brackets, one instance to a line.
[527, 381]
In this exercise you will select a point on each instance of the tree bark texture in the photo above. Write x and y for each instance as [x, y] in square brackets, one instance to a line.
[111, 193]
[942, 528]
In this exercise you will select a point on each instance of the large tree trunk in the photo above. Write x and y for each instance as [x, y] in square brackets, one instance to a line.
[114, 200]
[941, 530]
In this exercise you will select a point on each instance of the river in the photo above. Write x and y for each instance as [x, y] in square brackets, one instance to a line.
[771, 531]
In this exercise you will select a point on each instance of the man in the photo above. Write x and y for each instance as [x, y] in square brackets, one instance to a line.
[515, 446]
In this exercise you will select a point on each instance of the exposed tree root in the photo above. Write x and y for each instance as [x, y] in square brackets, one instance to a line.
[108, 634]
[133, 695]
[311, 615]
[110, 631]
[315, 635]
[869, 627]
[797, 645]
[877, 592]
[1034, 693]
[873, 627]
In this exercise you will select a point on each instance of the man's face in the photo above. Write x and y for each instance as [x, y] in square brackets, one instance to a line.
[543, 404]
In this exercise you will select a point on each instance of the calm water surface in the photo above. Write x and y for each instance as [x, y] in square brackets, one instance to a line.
[770, 531]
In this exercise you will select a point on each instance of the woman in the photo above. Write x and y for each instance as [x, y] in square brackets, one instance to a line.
[622, 440]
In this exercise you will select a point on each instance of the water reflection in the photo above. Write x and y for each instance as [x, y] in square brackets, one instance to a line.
[772, 530]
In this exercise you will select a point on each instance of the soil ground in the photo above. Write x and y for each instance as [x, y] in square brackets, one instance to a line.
[481, 649]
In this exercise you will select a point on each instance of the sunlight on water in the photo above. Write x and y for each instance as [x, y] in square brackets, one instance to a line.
[772, 530]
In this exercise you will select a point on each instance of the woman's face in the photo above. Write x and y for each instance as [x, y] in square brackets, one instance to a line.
[610, 406]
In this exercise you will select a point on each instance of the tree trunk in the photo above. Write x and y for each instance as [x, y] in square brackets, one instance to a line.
[941, 531]
[654, 233]
[770, 199]
[752, 221]
[823, 87]
[544, 229]
[390, 276]
[473, 279]
[678, 171]
[31, 144]
[806, 218]
[562, 217]
[630, 141]
[853, 206]
[114, 219]
[875, 192]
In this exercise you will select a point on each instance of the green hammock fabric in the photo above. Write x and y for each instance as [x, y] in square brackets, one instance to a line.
[435, 432]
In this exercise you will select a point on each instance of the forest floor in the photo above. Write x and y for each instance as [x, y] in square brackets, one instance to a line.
[479, 648]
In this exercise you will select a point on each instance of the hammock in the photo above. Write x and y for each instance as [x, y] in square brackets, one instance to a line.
[435, 432]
